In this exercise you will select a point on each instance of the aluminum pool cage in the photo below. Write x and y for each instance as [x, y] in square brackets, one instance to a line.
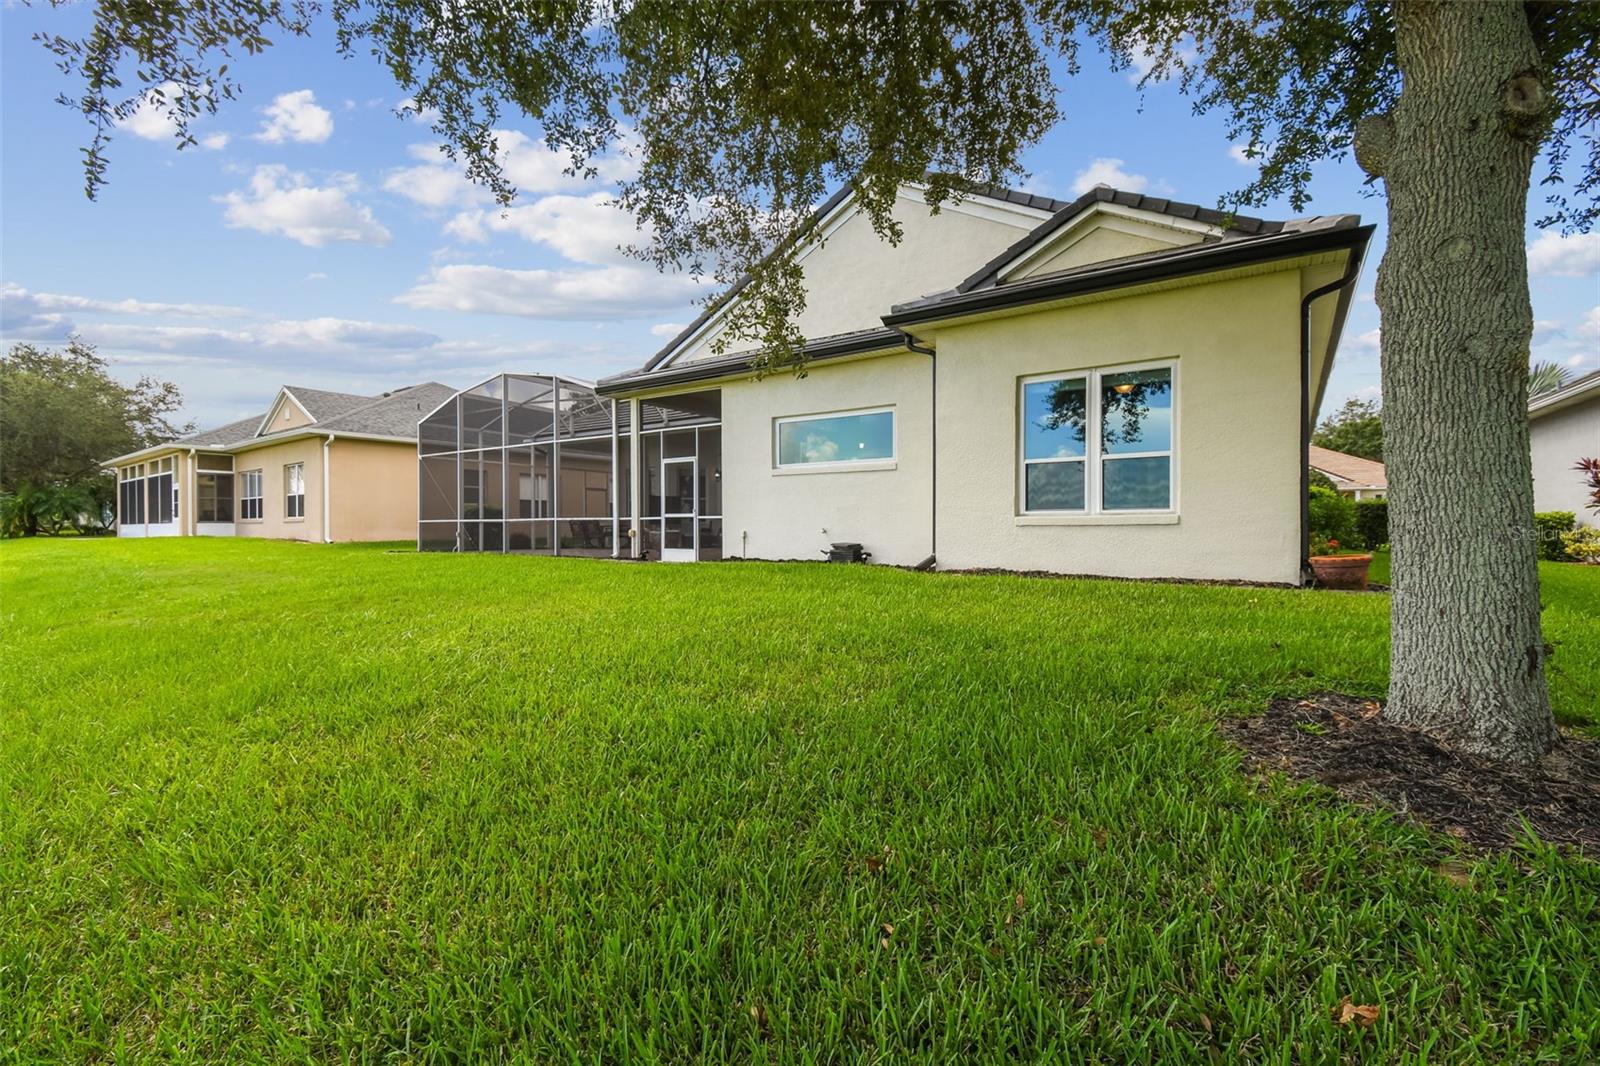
[540, 463]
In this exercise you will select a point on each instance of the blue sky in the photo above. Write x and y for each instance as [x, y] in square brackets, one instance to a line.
[316, 238]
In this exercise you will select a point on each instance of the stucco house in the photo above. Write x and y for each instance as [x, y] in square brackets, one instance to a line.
[1564, 426]
[317, 465]
[1119, 384]
[1352, 476]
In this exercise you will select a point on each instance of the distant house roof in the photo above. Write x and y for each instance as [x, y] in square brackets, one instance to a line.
[1349, 471]
[1576, 391]
[392, 414]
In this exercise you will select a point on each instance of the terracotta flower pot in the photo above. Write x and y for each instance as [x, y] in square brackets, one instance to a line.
[1341, 571]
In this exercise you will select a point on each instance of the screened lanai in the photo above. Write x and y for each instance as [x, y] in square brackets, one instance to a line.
[539, 463]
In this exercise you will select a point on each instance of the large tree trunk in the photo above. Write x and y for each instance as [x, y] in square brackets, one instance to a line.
[1457, 156]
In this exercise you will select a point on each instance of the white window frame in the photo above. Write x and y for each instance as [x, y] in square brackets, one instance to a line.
[842, 465]
[251, 479]
[1094, 458]
[293, 472]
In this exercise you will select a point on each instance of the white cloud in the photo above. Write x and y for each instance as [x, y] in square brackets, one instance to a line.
[151, 119]
[15, 295]
[1241, 154]
[316, 275]
[1589, 329]
[327, 335]
[1576, 344]
[1368, 343]
[284, 202]
[528, 163]
[1555, 256]
[296, 117]
[409, 108]
[667, 329]
[1143, 59]
[1108, 172]
[597, 293]
[585, 229]
[435, 182]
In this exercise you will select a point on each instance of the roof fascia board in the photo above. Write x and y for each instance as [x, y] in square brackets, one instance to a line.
[309, 432]
[154, 450]
[1560, 399]
[1018, 216]
[881, 342]
[1186, 262]
[1085, 222]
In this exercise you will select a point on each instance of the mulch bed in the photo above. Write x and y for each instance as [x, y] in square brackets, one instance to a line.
[1343, 742]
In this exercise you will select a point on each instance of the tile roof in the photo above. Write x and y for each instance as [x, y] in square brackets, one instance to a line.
[1350, 471]
[1234, 225]
[222, 436]
[391, 414]
[984, 291]
[394, 414]
[321, 404]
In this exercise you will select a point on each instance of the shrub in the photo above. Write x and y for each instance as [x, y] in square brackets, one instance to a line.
[1582, 544]
[1547, 529]
[1372, 522]
[1333, 518]
[1590, 469]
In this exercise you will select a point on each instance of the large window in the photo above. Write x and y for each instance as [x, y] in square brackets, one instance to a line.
[161, 491]
[294, 490]
[835, 440]
[132, 493]
[250, 495]
[213, 501]
[1098, 441]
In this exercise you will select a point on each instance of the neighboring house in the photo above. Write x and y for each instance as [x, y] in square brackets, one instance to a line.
[1564, 426]
[1119, 385]
[318, 465]
[1353, 476]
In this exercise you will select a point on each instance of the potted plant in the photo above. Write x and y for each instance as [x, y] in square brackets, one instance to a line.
[1336, 568]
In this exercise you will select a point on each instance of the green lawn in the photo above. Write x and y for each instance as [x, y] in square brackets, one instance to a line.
[286, 802]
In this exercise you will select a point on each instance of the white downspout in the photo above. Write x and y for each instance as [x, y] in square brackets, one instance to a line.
[327, 497]
[193, 521]
[635, 528]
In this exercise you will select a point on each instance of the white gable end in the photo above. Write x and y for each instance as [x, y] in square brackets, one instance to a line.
[853, 277]
[1102, 233]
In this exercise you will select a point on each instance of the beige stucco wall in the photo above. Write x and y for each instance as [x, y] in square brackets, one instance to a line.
[1236, 345]
[772, 515]
[270, 461]
[1559, 439]
[1105, 241]
[854, 276]
[373, 490]
[288, 416]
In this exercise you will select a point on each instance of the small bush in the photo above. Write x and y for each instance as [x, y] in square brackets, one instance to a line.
[1547, 529]
[1372, 522]
[1333, 518]
[1582, 544]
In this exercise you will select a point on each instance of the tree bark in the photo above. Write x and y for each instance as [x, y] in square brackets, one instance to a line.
[1468, 656]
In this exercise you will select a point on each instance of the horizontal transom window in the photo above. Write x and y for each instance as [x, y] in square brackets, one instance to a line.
[1098, 441]
[837, 439]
